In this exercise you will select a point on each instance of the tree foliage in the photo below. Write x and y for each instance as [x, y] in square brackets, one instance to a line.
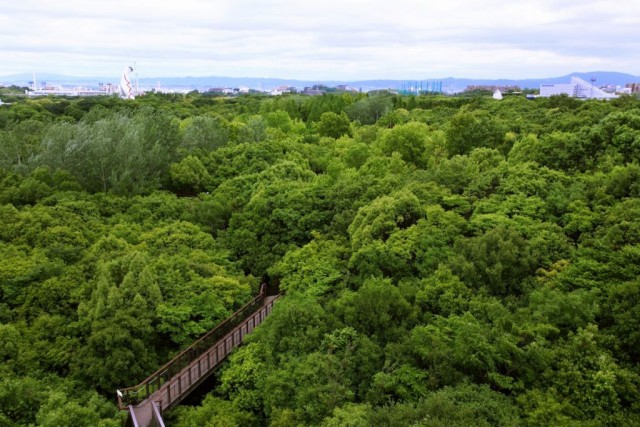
[445, 260]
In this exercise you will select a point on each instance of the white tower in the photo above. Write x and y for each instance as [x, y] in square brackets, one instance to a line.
[126, 90]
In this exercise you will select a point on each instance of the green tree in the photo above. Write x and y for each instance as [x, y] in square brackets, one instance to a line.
[377, 310]
[368, 110]
[123, 154]
[189, 176]
[411, 140]
[500, 260]
[118, 320]
[334, 125]
[469, 130]
[201, 134]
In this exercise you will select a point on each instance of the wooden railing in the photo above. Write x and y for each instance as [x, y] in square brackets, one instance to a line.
[156, 417]
[136, 394]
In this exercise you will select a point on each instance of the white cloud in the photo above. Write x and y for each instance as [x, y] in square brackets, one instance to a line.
[347, 39]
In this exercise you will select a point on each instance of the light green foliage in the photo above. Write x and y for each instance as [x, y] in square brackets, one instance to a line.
[621, 131]
[456, 173]
[530, 179]
[280, 125]
[317, 268]
[469, 130]
[624, 181]
[189, 175]
[349, 415]
[376, 223]
[412, 141]
[404, 383]
[393, 118]
[28, 401]
[333, 125]
[326, 378]
[319, 385]
[242, 380]
[356, 155]
[418, 250]
[59, 410]
[19, 142]
[579, 220]
[296, 328]
[443, 294]
[383, 216]
[118, 319]
[213, 412]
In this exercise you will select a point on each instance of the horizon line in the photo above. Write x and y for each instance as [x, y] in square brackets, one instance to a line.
[327, 79]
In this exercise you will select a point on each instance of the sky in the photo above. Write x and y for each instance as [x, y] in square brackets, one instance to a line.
[321, 40]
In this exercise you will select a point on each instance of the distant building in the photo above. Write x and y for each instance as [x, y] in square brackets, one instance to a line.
[283, 89]
[346, 88]
[634, 87]
[314, 90]
[578, 88]
[104, 89]
[221, 90]
[67, 92]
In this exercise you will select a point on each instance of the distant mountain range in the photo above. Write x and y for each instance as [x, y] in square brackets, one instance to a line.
[449, 84]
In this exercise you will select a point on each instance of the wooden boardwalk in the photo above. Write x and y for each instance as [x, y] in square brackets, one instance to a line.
[169, 385]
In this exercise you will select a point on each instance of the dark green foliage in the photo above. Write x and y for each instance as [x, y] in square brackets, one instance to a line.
[392, 312]
[122, 154]
[368, 110]
[499, 261]
[201, 134]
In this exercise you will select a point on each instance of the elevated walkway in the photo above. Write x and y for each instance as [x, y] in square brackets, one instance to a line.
[169, 385]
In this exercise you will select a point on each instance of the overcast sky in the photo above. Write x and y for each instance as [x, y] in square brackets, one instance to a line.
[328, 39]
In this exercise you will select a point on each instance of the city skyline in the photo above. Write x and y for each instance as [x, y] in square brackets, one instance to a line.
[329, 40]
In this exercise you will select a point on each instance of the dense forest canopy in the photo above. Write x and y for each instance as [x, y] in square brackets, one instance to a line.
[446, 260]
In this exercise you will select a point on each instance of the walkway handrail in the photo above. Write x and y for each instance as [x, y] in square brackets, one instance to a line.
[136, 394]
